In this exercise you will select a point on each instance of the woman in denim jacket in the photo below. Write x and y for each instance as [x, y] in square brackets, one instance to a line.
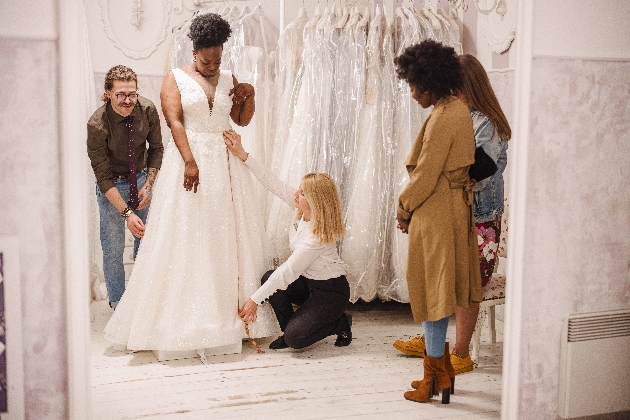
[492, 132]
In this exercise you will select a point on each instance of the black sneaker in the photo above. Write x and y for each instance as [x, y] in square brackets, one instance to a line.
[278, 343]
[344, 338]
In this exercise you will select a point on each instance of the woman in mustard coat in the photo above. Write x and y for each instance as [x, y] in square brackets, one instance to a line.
[435, 208]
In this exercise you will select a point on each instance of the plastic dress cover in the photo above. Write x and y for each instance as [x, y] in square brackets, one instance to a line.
[407, 122]
[363, 249]
[297, 159]
[323, 82]
[251, 55]
[288, 83]
[347, 100]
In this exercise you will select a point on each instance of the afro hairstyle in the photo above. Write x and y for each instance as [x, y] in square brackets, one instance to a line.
[209, 30]
[431, 67]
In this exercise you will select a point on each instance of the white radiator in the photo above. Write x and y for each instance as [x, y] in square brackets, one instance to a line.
[595, 364]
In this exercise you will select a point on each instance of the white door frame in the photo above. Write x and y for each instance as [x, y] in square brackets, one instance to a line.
[75, 209]
[514, 311]
[73, 134]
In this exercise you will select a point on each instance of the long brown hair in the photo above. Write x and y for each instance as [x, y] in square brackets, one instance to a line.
[323, 198]
[480, 95]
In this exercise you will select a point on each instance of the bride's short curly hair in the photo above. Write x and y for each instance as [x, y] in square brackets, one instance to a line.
[323, 198]
[431, 67]
[209, 30]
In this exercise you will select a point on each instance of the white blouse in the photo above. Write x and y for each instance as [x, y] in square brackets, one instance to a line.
[309, 258]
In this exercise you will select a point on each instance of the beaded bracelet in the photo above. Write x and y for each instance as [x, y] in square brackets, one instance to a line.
[126, 212]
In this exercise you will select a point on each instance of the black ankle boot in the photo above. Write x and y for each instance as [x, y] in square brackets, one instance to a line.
[344, 338]
[278, 343]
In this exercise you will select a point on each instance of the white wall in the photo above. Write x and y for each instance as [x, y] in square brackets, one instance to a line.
[28, 19]
[582, 29]
[570, 232]
[30, 187]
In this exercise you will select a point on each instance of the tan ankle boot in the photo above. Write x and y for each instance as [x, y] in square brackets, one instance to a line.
[435, 378]
[449, 369]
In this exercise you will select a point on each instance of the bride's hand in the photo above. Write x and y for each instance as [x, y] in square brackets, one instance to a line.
[233, 142]
[248, 311]
[241, 92]
[191, 176]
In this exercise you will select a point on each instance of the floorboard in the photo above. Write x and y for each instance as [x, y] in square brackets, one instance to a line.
[365, 380]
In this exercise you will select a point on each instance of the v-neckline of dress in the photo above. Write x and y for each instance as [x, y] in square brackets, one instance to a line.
[210, 105]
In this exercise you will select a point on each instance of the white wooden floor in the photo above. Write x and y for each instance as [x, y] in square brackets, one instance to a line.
[365, 380]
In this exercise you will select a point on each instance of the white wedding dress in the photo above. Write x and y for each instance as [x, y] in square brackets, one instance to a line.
[203, 253]
[363, 247]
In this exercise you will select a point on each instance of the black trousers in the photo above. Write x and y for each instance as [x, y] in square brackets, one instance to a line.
[321, 312]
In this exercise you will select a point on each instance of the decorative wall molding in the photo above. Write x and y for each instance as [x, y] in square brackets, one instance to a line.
[136, 28]
[192, 5]
[499, 30]
[178, 6]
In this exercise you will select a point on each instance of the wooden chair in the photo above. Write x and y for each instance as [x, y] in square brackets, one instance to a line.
[493, 294]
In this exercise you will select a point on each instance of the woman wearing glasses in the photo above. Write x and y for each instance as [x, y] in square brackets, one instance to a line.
[203, 251]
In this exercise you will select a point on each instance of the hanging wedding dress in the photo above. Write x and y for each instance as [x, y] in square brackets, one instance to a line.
[288, 82]
[203, 253]
[389, 286]
[366, 225]
[252, 58]
[290, 47]
[408, 119]
[453, 28]
[348, 41]
[444, 35]
[298, 160]
[357, 33]
[321, 110]
[335, 127]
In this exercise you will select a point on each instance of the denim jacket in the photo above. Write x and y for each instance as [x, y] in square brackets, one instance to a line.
[488, 197]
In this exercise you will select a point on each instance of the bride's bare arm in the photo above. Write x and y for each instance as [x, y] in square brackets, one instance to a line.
[243, 102]
[174, 116]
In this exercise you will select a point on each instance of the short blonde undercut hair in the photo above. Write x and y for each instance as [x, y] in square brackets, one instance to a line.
[323, 198]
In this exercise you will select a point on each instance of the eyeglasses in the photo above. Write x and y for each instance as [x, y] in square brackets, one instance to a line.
[133, 97]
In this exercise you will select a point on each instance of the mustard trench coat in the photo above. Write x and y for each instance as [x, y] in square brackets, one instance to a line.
[443, 262]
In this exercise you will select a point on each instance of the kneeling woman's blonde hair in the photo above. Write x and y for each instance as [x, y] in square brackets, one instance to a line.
[322, 196]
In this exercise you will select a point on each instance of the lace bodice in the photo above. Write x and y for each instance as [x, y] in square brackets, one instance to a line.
[197, 115]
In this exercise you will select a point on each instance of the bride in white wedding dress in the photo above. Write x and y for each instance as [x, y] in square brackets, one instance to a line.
[203, 251]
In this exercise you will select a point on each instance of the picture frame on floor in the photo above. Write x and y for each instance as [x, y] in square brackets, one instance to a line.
[11, 367]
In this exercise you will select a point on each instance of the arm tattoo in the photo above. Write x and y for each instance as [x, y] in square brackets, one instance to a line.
[151, 175]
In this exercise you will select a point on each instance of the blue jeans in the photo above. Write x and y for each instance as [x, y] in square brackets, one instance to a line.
[435, 337]
[113, 237]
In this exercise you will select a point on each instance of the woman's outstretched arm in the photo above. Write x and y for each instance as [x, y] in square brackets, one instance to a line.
[283, 191]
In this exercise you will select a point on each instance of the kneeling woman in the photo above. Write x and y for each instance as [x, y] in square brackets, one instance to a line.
[314, 276]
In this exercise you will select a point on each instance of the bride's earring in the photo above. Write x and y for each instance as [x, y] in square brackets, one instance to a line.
[194, 58]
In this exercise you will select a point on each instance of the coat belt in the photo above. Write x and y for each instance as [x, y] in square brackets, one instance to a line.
[468, 194]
